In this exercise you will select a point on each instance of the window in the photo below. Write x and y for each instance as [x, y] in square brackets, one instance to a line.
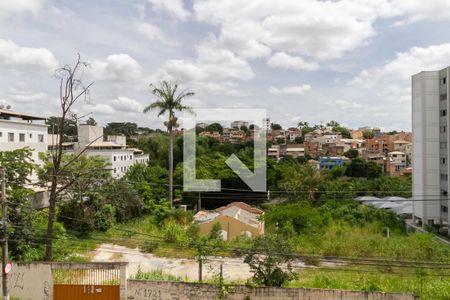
[443, 161]
[443, 112]
[444, 193]
[444, 208]
[131, 157]
[443, 80]
[443, 145]
[442, 129]
[31, 135]
[444, 177]
[40, 138]
[21, 137]
[1, 134]
[115, 169]
[443, 97]
[11, 137]
[114, 157]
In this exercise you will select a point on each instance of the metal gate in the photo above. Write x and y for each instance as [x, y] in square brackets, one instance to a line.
[89, 283]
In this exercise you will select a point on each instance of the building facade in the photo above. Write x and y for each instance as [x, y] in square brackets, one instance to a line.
[430, 107]
[20, 130]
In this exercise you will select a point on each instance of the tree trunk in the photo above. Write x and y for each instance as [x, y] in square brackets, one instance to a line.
[51, 220]
[171, 166]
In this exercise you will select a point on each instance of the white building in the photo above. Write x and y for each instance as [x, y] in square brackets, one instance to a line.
[430, 107]
[239, 124]
[114, 150]
[20, 130]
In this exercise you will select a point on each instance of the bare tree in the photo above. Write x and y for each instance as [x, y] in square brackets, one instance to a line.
[71, 89]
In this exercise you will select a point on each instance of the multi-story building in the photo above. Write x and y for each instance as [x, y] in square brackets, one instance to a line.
[114, 149]
[238, 124]
[430, 120]
[20, 130]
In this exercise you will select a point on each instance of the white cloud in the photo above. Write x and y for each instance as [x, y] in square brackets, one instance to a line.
[101, 109]
[126, 104]
[19, 58]
[152, 32]
[24, 95]
[417, 10]
[117, 67]
[406, 64]
[290, 90]
[297, 27]
[175, 8]
[286, 61]
[17, 6]
[214, 70]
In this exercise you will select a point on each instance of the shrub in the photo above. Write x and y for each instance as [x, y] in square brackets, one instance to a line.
[297, 218]
[173, 232]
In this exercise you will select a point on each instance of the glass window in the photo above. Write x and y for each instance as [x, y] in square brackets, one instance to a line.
[443, 112]
[21, 137]
[443, 97]
[443, 160]
[40, 138]
[444, 177]
[11, 137]
[444, 208]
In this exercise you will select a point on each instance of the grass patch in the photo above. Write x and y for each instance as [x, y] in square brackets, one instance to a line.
[428, 287]
[157, 275]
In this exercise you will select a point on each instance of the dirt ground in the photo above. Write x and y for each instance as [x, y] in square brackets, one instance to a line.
[233, 268]
[187, 269]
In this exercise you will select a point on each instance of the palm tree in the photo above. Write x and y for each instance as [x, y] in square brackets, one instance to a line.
[168, 101]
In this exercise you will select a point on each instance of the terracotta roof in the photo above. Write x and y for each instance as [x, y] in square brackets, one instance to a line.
[243, 206]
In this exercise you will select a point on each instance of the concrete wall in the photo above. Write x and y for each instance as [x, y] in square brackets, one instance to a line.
[31, 281]
[144, 290]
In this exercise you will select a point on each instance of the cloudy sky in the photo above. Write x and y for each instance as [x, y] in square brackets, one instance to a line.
[307, 60]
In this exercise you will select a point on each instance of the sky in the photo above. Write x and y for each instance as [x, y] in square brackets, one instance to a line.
[301, 60]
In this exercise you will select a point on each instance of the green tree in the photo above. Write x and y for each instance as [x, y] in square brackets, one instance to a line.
[361, 168]
[275, 126]
[168, 101]
[303, 179]
[368, 134]
[68, 129]
[82, 205]
[270, 260]
[352, 153]
[121, 128]
[91, 121]
[18, 167]
[214, 127]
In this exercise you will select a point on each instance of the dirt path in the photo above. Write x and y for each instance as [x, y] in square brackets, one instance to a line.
[233, 268]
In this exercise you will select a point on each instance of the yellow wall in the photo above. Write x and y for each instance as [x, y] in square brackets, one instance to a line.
[232, 226]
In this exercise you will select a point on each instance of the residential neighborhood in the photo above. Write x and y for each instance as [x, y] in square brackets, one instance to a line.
[224, 149]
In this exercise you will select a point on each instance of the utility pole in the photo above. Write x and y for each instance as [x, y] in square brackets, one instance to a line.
[5, 235]
[199, 203]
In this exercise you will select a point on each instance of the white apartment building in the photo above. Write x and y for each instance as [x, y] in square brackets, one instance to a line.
[114, 150]
[20, 130]
[430, 120]
[239, 124]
